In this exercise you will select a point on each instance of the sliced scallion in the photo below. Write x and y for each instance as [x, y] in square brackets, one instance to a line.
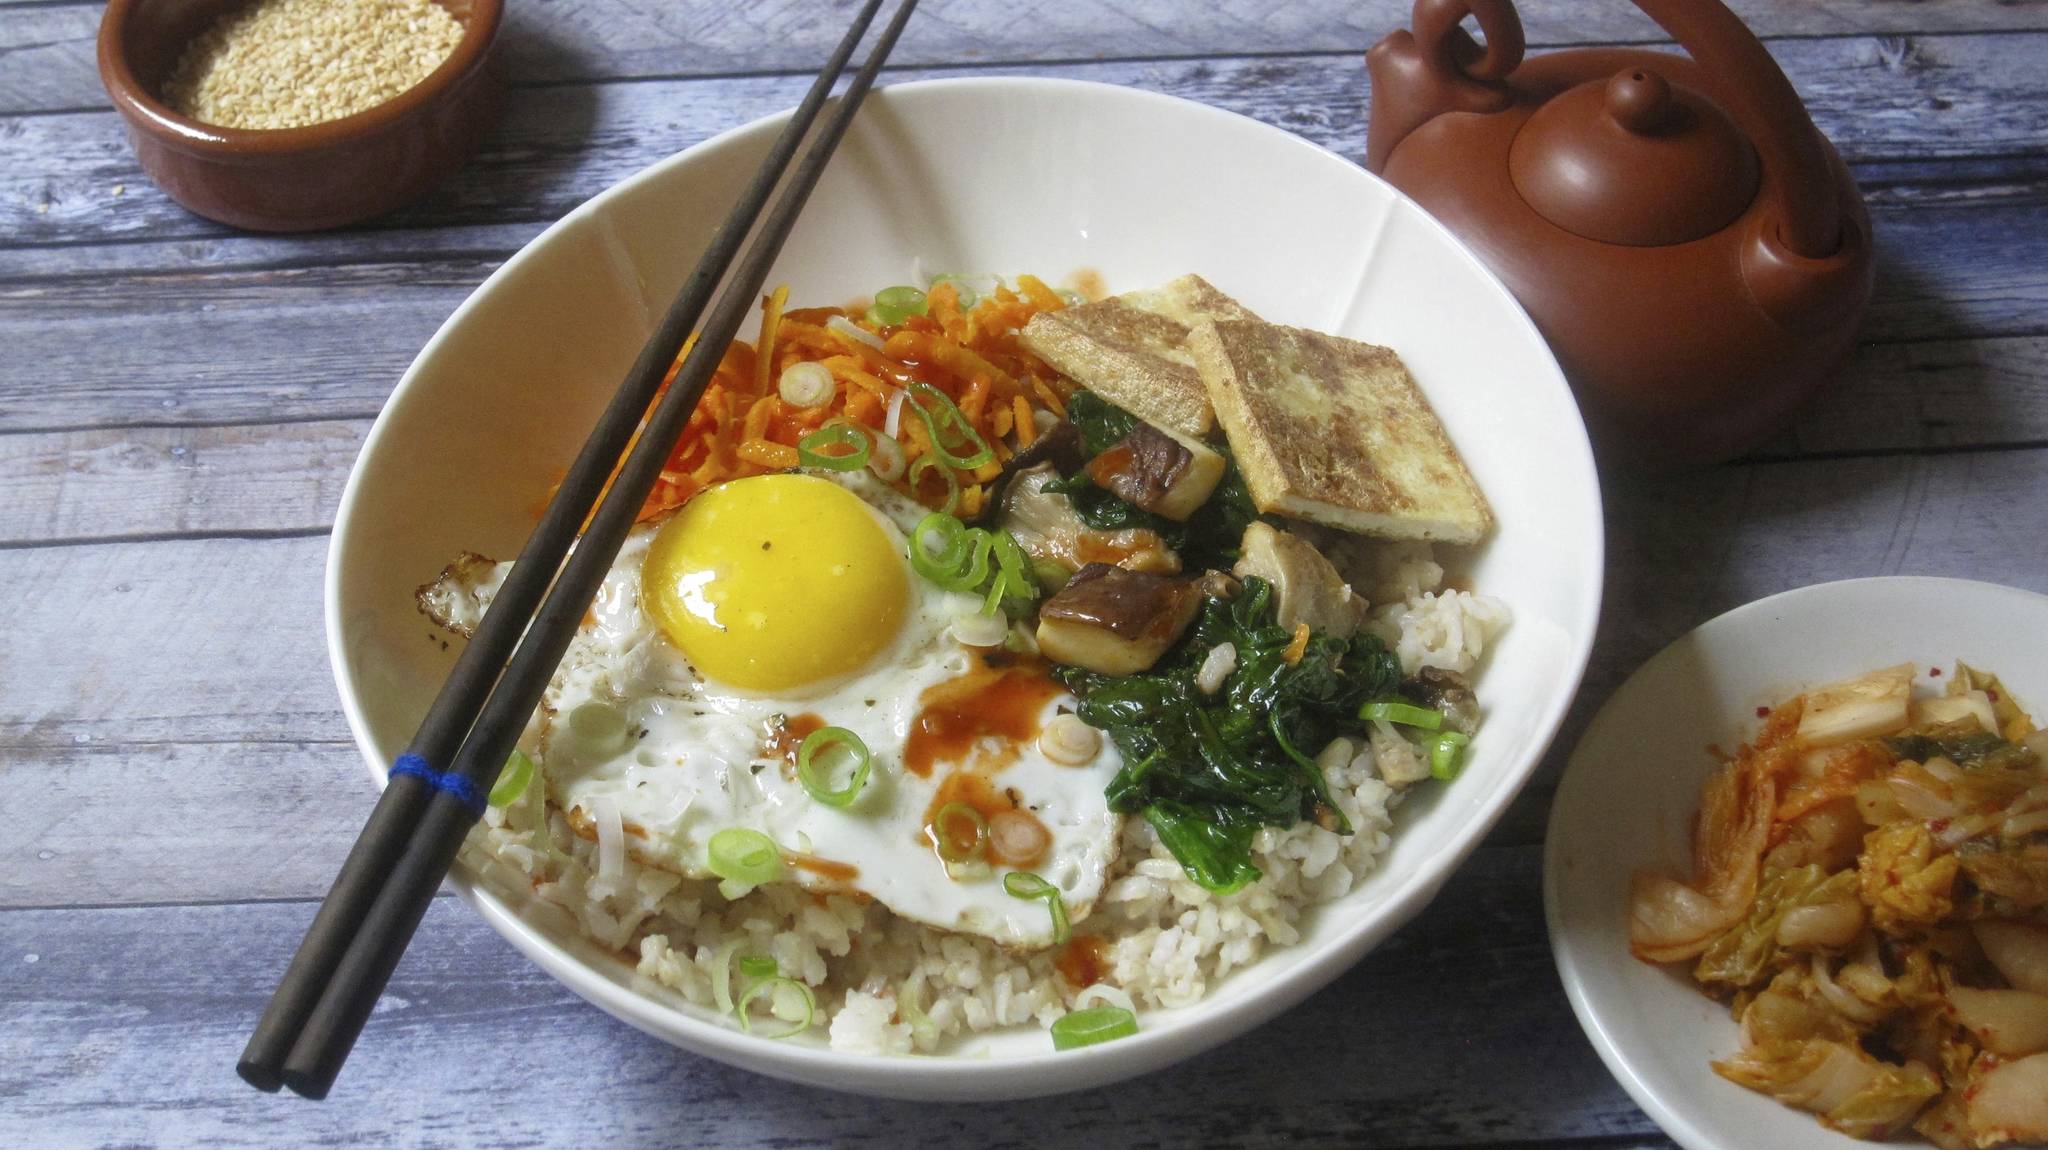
[758, 966]
[806, 385]
[837, 446]
[744, 859]
[598, 727]
[822, 753]
[939, 545]
[893, 305]
[721, 973]
[1097, 1024]
[1014, 579]
[1446, 754]
[513, 780]
[1024, 884]
[1406, 714]
[950, 553]
[783, 990]
[924, 464]
[959, 832]
[954, 439]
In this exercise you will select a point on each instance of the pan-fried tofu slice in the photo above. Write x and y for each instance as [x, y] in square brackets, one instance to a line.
[1132, 349]
[1335, 431]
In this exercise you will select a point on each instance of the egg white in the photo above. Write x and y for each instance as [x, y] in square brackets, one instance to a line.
[690, 760]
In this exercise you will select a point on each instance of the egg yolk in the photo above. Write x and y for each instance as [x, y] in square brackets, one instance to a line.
[775, 582]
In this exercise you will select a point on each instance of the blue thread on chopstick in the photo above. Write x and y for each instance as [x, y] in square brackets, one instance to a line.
[447, 782]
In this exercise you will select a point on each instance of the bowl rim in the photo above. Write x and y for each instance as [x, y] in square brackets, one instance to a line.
[1191, 1030]
[142, 109]
[1675, 1120]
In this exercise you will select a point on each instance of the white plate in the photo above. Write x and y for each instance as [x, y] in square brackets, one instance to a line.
[1002, 175]
[1628, 798]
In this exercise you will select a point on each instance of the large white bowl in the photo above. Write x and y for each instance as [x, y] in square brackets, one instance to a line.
[1003, 175]
[1628, 798]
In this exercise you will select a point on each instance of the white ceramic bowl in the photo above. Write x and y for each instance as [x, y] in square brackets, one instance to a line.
[1002, 175]
[1628, 798]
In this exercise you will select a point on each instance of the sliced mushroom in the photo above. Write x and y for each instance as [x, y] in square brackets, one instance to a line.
[1060, 447]
[1115, 621]
[1306, 587]
[1046, 526]
[1160, 471]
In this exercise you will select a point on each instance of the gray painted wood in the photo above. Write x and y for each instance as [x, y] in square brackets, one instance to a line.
[1931, 97]
[48, 49]
[136, 343]
[1454, 1033]
[196, 640]
[1920, 195]
[154, 481]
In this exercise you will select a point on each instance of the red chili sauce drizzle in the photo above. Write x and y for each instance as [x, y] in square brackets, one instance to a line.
[981, 717]
[784, 741]
[1084, 961]
[977, 722]
[973, 789]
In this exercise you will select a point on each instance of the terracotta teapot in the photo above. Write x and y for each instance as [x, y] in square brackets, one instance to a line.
[1694, 250]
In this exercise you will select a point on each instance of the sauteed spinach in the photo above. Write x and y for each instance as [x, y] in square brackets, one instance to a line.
[1208, 770]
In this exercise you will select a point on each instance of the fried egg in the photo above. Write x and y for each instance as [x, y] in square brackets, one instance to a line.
[772, 606]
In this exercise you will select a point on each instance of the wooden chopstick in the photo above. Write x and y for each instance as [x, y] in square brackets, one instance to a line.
[412, 836]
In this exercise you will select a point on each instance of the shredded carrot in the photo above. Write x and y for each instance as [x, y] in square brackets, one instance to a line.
[1041, 296]
[971, 355]
[1298, 646]
[1027, 428]
[766, 454]
[1048, 397]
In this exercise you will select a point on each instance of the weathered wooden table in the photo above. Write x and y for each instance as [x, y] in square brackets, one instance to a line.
[179, 406]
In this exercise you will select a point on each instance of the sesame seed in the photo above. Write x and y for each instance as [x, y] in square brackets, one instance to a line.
[291, 63]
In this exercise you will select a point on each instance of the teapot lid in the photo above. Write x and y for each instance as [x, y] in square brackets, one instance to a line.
[1634, 160]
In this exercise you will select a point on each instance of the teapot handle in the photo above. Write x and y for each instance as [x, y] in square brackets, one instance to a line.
[1439, 34]
[1747, 82]
[1438, 67]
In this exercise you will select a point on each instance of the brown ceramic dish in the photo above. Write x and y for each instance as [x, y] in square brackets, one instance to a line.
[295, 179]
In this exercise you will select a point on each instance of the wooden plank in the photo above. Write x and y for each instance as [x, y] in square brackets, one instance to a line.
[115, 483]
[284, 344]
[208, 640]
[196, 668]
[163, 480]
[48, 49]
[1920, 195]
[1383, 1057]
[1931, 97]
[47, 59]
[298, 806]
[124, 342]
[1936, 394]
